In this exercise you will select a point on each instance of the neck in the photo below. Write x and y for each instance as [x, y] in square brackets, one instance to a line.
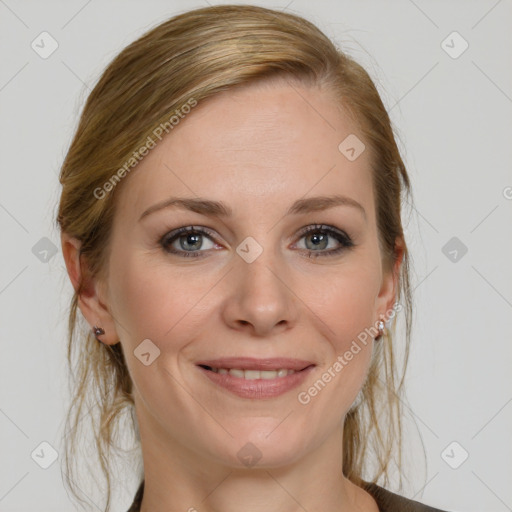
[177, 479]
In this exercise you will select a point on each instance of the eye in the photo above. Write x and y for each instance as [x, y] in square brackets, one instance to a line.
[188, 241]
[193, 241]
[319, 237]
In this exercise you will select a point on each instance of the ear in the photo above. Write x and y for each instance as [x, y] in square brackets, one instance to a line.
[390, 282]
[91, 298]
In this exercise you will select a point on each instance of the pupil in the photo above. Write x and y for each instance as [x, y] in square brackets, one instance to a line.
[191, 239]
[317, 240]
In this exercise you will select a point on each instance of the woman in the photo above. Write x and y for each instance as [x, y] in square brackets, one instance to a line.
[231, 225]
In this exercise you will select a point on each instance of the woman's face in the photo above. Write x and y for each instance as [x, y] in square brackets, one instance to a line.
[248, 282]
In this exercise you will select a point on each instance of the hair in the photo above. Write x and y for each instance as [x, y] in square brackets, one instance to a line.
[197, 55]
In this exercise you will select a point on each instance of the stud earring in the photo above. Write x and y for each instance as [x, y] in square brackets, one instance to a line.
[380, 326]
[98, 331]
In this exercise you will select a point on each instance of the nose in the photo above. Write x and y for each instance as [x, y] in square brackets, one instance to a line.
[260, 298]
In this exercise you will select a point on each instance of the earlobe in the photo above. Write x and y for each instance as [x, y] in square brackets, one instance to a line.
[91, 304]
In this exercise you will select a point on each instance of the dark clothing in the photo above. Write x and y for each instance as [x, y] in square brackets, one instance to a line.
[386, 501]
[390, 502]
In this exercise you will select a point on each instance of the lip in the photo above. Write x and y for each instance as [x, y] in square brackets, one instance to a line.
[251, 363]
[258, 388]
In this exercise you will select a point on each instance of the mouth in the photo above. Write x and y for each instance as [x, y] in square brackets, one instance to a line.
[265, 367]
[240, 373]
[256, 378]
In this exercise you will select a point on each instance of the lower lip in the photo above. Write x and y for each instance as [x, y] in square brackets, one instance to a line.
[258, 388]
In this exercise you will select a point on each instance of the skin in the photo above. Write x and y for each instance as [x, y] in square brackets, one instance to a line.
[257, 149]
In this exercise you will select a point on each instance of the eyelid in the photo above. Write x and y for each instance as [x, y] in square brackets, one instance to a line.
[322, 227]
[183, 230]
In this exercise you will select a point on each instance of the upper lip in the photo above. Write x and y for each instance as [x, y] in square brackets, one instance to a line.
[250, 363]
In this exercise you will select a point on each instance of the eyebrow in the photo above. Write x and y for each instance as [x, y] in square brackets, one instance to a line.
[219, 209]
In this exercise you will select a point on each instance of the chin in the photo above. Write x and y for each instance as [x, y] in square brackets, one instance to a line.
[264, 443]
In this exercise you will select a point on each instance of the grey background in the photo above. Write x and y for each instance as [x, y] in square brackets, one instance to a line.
[453, 117]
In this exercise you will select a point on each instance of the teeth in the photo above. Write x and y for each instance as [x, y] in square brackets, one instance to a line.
[254, 374]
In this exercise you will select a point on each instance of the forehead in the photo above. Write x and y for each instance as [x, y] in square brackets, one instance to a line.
[253, 145]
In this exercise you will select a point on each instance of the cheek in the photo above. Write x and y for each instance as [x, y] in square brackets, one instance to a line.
[347, 301]
[164, 303]
[149, 299]
[346, 305]
[349, 314]
[154, 302]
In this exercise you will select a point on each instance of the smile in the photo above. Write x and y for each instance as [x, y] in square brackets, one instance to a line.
[252, 374]
[261, 383]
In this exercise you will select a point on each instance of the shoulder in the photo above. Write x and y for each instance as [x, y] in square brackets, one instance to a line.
[388, 501]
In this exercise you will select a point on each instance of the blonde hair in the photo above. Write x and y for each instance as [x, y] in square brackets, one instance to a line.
[197, 55]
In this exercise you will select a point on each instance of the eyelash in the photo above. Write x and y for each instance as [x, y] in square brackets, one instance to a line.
[345, 241]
